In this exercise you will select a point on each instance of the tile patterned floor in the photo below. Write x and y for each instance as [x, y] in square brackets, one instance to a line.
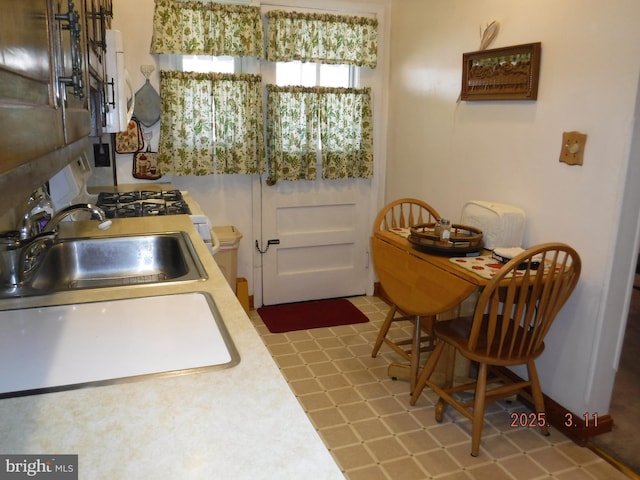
[365, 419]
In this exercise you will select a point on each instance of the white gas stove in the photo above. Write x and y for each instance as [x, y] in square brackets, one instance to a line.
[134, 200]
[149, 203]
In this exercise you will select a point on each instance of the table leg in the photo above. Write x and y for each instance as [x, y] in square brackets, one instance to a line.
[415, 351]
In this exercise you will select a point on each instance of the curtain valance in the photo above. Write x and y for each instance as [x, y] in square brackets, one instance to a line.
[323, 38]
[199, 28]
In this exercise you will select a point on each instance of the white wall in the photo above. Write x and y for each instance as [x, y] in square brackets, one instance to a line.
[226, 200]
[449, 153]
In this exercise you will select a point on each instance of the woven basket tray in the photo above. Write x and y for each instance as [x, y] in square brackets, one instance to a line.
[464, 240]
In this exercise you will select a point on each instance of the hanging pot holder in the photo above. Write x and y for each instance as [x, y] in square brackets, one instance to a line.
[148, 103]
[130, 141]
[145, 165]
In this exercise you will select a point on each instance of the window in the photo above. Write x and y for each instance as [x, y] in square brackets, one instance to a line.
[318, 121]
[211, 122]
[315, 74]
[212, 112]
[208, 63]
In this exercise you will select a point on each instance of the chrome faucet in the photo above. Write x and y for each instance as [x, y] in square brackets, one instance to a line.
[35, 212]
[20, 250]
[19, 257]
[96, 212]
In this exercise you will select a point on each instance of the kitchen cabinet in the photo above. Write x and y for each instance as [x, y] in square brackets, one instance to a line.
[98, 15]
[44, 88]
[70, 49]
[96, 24]
[31, 121]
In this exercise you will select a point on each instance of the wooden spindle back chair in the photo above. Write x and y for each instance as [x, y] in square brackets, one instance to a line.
[513, 314]
[403, 214]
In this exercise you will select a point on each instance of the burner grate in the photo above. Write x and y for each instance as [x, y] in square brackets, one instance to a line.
[150, 195]
[129, 210]
[144, 203]
[172, 196]
[153, 209]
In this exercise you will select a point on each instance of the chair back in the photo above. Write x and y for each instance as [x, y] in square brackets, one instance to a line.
[516, 309]
[404, 213]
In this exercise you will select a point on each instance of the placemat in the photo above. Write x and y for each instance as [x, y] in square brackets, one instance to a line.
[487, 267]
[484, 266]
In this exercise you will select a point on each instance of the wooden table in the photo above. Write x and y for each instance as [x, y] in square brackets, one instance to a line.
[420, 284]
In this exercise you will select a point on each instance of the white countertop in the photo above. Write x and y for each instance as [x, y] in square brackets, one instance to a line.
[237, 423]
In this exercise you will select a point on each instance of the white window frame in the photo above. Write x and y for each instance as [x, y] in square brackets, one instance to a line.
[202, 59]
[352, 80]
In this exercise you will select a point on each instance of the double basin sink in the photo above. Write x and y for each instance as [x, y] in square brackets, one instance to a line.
[81, 263]
[128, 338]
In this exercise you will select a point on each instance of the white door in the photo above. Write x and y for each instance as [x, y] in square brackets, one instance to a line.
[319, 230]
[317, 233]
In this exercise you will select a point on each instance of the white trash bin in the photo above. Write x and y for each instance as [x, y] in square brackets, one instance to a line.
[227, 256]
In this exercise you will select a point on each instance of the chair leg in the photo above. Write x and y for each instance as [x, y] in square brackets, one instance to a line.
[450, 367]
[384, 329]
[478, 410]
[536, 393]
[426, 373]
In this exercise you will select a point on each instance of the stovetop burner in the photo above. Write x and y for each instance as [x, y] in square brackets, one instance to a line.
[125, 197]
[145, 203]
[177, 208]
[150, 195]
[173, 196]
[128, 210]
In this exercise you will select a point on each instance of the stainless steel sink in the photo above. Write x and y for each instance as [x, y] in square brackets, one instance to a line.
[98, 262]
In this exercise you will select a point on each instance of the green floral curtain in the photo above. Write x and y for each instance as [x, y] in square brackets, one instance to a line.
[210, 122]
[301, 119]
[346, 133]
[292, 132]
[323, 38]
[199, 28]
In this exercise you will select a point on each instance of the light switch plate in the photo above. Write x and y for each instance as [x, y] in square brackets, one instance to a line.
[572, 147]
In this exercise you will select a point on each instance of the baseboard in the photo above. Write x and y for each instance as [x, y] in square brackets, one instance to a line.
[579, 427]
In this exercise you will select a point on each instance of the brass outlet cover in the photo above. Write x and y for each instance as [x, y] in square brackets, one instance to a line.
[572, 147]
